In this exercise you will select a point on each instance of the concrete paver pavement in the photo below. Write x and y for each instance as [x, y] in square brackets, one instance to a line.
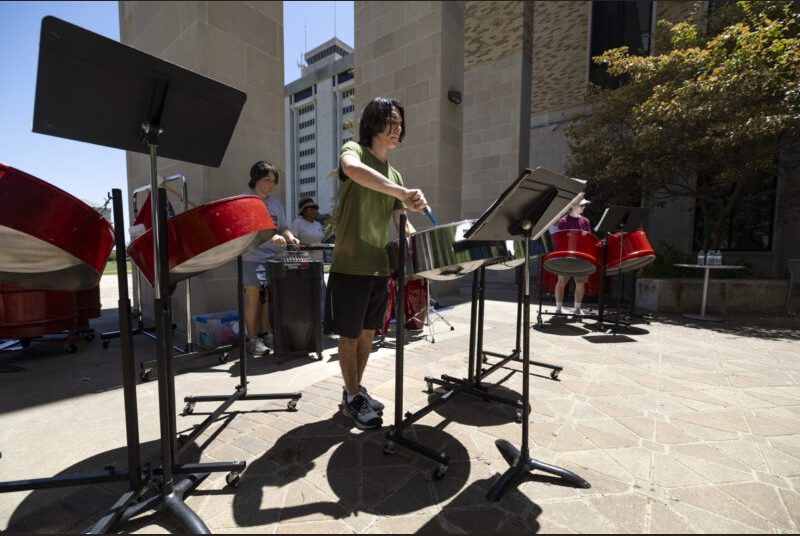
[679, 427]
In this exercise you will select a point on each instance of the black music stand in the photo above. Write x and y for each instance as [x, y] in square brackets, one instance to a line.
[93, 89]
[524, 211]
[615, 220]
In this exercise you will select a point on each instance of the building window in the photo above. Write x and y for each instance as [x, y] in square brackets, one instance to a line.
[616, 24]
[305, 110]
[345, 140]
[305, 124]
[308, 180]
[307, 137]
[310, 165]
[310, 193]
[348, 92]
[304, 94]
[749, 226]
[347, 109]
[344, 77]
[307, 152]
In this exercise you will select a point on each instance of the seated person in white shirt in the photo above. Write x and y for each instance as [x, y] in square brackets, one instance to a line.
[306, 227]
[309, 231]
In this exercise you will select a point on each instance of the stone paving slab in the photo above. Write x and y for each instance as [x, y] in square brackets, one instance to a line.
[678, 426]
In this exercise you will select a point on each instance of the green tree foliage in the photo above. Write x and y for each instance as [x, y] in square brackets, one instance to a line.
[717, 107]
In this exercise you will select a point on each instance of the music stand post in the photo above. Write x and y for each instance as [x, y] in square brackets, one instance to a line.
[525, 210]
[133, 98]
[395, 433]
[615, 219]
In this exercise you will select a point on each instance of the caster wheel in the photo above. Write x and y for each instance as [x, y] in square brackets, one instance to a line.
[430, 388]
[188, 409]
[485, 360]
[292, 404]
[70, 348]
[554, 374]
[519, 416]
[233, 479]
[25, 343]
[105, 343]
[181, 440]
[439, 472]
[452, 328]
[89, 337]
[388, 448]
[223, 358]
[145, 375]
[319, 356]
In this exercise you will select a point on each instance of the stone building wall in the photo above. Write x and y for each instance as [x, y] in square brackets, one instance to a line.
[414, 51]
[239, 44]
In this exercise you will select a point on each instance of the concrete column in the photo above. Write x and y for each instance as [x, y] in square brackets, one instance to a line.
[239, 44]
[497, 97]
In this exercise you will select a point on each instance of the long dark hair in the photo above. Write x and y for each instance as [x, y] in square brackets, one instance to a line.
[376, 116]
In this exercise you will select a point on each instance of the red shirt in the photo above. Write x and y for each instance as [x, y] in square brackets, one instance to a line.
[581, 223]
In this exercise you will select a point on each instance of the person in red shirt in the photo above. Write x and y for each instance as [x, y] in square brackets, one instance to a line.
[575, 220]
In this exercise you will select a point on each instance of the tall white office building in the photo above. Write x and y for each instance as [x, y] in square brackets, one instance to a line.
[319, 119]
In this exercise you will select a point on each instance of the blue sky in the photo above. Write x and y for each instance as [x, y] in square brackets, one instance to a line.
[88, 171]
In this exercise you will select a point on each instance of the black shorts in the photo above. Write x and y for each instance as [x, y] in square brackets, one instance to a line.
[355, 303]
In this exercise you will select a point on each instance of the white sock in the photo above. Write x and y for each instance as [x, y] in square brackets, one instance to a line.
[351, 397]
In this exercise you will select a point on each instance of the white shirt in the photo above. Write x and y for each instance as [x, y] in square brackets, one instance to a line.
[308, 232]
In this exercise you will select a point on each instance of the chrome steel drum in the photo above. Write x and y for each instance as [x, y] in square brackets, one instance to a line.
[442, 254]
[516, 255]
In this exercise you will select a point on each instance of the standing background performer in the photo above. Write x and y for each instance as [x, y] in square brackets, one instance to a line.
[263, 178]
[371, 192]
[575, 220]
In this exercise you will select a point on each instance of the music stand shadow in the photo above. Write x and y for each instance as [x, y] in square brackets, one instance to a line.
[469, 513]
[475, 412]
[562, 328]
[610, 338]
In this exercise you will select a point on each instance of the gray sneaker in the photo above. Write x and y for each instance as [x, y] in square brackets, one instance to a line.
[363, 416]
[374, 404]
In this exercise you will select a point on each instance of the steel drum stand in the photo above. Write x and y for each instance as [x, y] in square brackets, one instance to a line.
[395, 433]
[240, 392]
[137, 284]
[94, 89]
[526, 209]
[615, 220]
[134, 474]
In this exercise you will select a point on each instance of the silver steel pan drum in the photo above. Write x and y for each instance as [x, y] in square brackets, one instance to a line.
[516, 255]
[442, 254]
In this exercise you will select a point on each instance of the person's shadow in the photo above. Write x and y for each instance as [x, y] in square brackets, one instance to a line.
[358, 473]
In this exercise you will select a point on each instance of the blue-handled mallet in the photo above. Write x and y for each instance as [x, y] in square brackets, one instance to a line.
[427, 212]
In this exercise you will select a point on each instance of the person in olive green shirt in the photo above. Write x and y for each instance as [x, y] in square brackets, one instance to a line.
[371, 192]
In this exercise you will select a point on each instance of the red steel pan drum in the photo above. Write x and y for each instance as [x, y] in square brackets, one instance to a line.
[26, 313]
[574, 253]
[50, 239]
[88, 304]
[636, 252]
[207, 237]
[416, 310]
